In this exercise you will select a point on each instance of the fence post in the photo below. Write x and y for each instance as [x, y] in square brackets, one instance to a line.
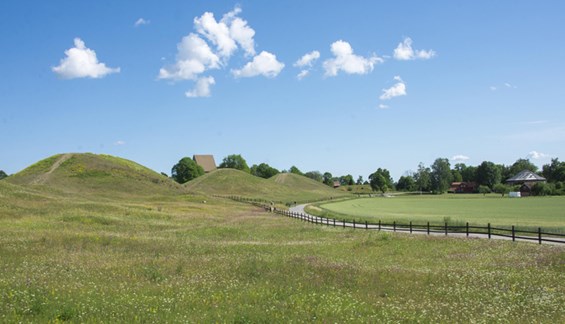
[489, 230]
[379, 224]
[467, 229]
[428, 228]
[513, 234]
[343, 223]
[445, 228]
[394, 226]
[334, 222]
[366, 225]
[354, 223]
[410, 227]
[539, 235]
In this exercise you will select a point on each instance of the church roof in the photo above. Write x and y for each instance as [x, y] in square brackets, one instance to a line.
[206, 162]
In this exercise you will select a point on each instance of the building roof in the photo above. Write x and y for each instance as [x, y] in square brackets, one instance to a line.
[525, 176]
[205, 161]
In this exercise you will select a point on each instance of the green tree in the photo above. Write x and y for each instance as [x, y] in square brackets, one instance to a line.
[541, 189]
[554, 172]
[406, 183]
[3, 174]
[456, 176]
[185, 170]
[484, 189]
[359, 180]
[441, 177]
[380, 180]
[328, 179]
[521, 165]
[423, 178]
[346, 180]
[235, 161]
[501, 189]
[488, 174]
[314, 175]
[295, 170]
[263, 170]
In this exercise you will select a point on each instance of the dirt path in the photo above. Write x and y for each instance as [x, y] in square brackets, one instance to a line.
[299, 209]
[44, 177]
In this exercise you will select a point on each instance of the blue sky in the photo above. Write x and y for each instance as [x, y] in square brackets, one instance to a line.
[339, 86]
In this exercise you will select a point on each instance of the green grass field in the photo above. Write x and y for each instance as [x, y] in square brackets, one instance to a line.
[145, 257]
[547, 212]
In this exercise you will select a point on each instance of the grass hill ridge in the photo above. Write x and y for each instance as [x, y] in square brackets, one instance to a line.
[94, 174]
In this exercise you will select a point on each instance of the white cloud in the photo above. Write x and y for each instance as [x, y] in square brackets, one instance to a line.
[202, 88]
[141, 22]
[404, 52]
[460, 157]
[242, 33]
[81, 62]
[536, 155]
[265, 64]
[397, 90]
[383, 106]
[119, 143]
[493, 88]
[308, 59]
[194, 57]
[302, 74]
[348, 62]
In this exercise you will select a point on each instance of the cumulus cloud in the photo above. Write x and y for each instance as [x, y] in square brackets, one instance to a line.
[460, 158]
[303, 74]
[404, 52]
[141, 22]
[202, 88]
[536, 155]
[81, 62]
[348, 62]
[265, 64]
[194, 57]
[307, 59]
[397, 90]
[383, 106]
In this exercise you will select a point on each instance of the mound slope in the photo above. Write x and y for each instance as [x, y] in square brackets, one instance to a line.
[92, 174]
[282, 187]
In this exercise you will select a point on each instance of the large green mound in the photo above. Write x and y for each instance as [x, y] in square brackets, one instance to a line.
[282, 187]
[92, 174]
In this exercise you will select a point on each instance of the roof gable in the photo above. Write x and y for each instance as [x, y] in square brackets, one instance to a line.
[205, 161]
[526, 176]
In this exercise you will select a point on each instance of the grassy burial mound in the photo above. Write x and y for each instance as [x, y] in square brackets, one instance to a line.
[92, 174]
[282, 187]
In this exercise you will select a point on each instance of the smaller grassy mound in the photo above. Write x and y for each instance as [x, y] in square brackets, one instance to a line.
[98, 175]
[283, 187]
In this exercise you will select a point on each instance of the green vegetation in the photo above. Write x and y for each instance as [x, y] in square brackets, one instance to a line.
[185, 170]
[3, 174]
[285, 187]
[177, 259]
[157, 255]
[263, 170]
[546, 212]
[235, 161]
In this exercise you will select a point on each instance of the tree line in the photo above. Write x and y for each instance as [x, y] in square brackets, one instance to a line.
[436, 178]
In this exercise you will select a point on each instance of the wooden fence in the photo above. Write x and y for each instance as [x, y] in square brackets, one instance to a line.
[485, 231]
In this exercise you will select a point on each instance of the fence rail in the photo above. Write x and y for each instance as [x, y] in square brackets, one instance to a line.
[446, 229]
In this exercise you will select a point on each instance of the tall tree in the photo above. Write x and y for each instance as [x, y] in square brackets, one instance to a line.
[346, 180]
[521, 165]
[359, 180]
[328, 179]
[554, 172]
[380, 180]
[185, 170]
[3, 174]
[488, 174]
[406, 183]
[423, 178]
[235, 161]
[441, 176]
[314, 175]
[295, 170]
[263, 170]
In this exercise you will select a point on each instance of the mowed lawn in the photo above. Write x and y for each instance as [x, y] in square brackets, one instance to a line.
[547, 212]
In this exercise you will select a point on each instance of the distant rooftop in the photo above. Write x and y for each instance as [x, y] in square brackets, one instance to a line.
[525, 176]
[205, 161]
